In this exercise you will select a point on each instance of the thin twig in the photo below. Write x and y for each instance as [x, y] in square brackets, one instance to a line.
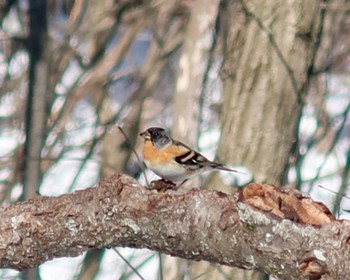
[129, 264]
[160, 266]
[141, 163]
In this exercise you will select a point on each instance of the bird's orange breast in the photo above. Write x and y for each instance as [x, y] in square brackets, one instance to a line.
[163, 156]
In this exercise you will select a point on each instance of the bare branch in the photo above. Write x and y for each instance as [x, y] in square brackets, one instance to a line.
[198, 225]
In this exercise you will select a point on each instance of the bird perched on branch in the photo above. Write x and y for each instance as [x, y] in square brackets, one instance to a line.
[172, 160]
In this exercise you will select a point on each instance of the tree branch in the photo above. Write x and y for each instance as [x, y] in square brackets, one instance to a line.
[197, 225]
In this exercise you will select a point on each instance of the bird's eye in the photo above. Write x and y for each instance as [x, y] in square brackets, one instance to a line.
[156, 134]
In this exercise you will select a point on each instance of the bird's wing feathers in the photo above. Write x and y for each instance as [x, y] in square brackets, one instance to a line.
[192, 159]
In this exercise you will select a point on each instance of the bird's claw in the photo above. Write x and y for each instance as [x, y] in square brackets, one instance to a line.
[162, 186]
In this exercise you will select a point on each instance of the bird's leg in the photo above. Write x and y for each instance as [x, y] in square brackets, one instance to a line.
[183, 182]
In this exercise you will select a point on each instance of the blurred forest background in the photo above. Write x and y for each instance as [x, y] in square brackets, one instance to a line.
[262, 84]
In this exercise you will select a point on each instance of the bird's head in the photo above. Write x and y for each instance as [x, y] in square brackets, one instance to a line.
[157, 136]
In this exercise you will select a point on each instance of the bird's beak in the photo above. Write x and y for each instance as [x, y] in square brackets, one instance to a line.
[145, 135]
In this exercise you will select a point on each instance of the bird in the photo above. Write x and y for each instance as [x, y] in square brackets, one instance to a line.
[172, 160]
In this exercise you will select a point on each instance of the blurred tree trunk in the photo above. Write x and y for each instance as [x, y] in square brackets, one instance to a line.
[268, 47]
[269, 51]
[36, 102]
[36, 115]
[192, 68]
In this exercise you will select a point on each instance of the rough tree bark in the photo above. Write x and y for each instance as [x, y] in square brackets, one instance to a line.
[270, 47]
[295, 239]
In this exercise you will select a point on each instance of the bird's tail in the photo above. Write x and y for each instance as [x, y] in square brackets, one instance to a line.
[222, 167]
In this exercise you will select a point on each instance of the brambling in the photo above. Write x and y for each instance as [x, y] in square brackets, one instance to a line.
[172, 160]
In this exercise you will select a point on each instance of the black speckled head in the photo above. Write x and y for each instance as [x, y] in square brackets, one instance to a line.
[158, 136]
